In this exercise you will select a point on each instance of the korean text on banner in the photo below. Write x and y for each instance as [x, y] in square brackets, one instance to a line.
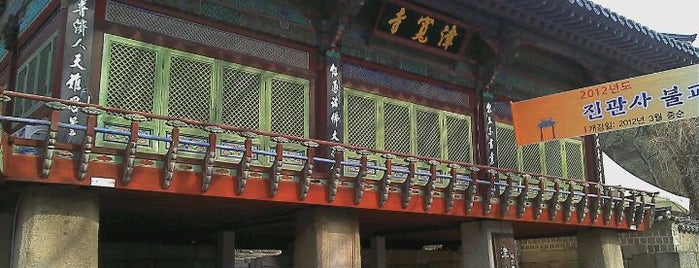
[643, 100]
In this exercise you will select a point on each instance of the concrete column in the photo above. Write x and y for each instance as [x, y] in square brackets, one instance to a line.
[226, 249]
[378, 252]
[56, 227]
[476, 242]
[600, 248]
[5, 239]
[327, 238]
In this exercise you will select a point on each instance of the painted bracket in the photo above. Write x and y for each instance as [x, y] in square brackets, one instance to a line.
[335, 173]
[307, 171]
[171, 156]
[505, 196]
[277, 165]
[360, 180]
[639, 212]
[553, 202]
[539, 199]
[131, 147]
[619, 207]
[429, 188]
[608, 206]
[452, 185]
[470, 193]
[210, 157]
[245, 162]
[407, 187]
[50, 144]
[568, 203]
[490, 193]
[650, 213]
[581, 206]
[89, 141]
[596, 203]
[522, 197]
[630, 211]
[386, 179]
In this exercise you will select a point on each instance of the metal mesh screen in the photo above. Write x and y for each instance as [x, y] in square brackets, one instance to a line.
[241, 98]
[287, 107]
[397, 128]
[531, 158]
[30, 86]
[458, 139]
[554, 162]
[44, 70]
[428, 139]
[131, 75]
[361, 121]
[574, 160]
[190, 89]
[506, 147]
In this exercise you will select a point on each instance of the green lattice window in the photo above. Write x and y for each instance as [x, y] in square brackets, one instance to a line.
[148, 78]
[563, 158]
[383, 123]
[34, 77]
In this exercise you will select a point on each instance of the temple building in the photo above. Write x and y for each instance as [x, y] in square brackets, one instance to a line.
[322, 133]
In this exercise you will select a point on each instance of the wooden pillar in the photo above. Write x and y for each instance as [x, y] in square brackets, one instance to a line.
[327, 238]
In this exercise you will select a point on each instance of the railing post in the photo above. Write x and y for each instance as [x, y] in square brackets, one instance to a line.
[50, 145]
[131, 146]
[596, 203]
[581, 207]
[361, 176]
[539, 199]
[386, 179]
[245, 162]
[505, 196]
[568, 203]
[429, 188]
[407, 187]
[522, 197]
[307, 171]
[608, 205]
[490, 192]
[553, 202]
[471, 190]
[171, 156]
[89, 141]
[210, 157]
[450, 187]
[335, 173]
[277, 165]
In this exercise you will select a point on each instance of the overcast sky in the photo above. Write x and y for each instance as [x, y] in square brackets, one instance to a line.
[665, 16]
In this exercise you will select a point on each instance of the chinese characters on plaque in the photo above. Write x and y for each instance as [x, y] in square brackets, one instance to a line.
[76, 70]
[491, 145]
[334, 95]
[410, 25]
[505, 251]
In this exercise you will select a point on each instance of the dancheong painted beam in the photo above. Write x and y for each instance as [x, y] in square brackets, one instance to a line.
[401, 183]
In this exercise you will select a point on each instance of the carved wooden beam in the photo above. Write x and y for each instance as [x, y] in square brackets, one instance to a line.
[89, 141]
[360, 180]
[568, 203]
[50, 143]
[131, 147]
[471, 190]
[581, 206]
[429, 187]
[553, 201]
[171, 156]
[335, 173]
[522, 197]
[539, 199]
[506, 195]
[450, 187]
[596, 203]
[245, 162]
[490, 192]
[619, 207]
[407, 188]
[277, 164]
[608, 206]
[210, 157]
[386, 179]
[307, 171]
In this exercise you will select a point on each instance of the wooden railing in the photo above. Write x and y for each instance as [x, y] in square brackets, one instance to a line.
[478, 190]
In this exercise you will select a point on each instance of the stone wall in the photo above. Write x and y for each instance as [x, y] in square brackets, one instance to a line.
[663, 246]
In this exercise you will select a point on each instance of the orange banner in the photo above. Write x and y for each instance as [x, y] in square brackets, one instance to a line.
[643, 100]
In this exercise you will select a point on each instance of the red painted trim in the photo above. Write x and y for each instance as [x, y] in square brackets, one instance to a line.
[64, 171]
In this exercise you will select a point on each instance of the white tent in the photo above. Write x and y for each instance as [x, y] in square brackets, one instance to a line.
[614, 174]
